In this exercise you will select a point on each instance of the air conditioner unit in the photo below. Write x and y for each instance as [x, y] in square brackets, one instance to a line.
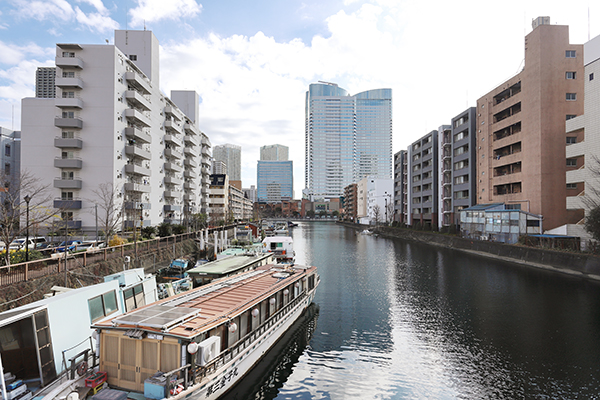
[208, 350]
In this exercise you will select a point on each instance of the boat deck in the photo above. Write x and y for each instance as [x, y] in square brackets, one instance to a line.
[188, 314]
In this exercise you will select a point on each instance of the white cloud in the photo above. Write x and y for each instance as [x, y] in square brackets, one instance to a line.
[97, 4]
[155, 10]
[45, 9]
[96, 21]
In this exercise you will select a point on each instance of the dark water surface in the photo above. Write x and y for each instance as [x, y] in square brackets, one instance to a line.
[396, 320]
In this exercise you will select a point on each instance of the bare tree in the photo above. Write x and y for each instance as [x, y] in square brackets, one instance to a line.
[389, 212]
[14, 210]
[377, 214]
[110, 213]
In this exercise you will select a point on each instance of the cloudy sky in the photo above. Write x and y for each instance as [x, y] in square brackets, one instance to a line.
[252, 61]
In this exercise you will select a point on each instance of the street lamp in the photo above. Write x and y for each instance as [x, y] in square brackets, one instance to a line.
[27, 199]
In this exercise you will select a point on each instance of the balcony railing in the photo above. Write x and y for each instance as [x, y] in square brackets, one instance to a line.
[68, 143]
[72, 163]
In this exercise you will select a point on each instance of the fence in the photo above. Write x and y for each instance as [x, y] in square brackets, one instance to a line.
[61, 262]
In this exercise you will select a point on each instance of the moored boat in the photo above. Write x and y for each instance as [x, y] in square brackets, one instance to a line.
[199, 344]
[282, 248]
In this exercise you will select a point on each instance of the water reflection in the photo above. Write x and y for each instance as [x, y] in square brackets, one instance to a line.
[410, 321]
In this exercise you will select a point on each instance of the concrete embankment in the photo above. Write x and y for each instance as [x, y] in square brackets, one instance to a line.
[577, 264]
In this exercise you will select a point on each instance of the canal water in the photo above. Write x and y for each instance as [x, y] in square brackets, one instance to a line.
[399, 320]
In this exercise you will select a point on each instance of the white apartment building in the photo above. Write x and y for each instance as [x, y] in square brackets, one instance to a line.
[111, 126]
[239, 205]
[583, 147]
[375, 200]
[218, 202]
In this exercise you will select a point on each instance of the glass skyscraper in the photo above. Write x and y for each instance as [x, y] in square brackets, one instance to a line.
[274, 181]
[346, 138]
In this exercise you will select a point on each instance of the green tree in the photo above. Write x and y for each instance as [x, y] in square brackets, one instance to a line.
[310, 214]
[165, 229]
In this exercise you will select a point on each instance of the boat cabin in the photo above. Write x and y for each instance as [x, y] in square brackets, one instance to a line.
[227, 266]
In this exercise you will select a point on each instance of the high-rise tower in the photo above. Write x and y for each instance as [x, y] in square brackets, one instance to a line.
[346, 138]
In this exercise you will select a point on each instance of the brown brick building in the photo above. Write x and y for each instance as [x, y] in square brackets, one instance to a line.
[521, 127]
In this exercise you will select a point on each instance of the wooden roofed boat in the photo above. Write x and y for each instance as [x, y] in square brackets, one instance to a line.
[200, 343]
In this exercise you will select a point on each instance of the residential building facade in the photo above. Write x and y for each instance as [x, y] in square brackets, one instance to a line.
[111, 127]
[218, 202]
[423, 177]
[521, 128]
[457, 180]
[399, 185]
[45, 82]
[582, 149]
[346, 138]
[350, 202]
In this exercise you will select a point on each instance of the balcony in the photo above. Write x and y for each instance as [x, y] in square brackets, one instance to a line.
[137, 99]
[137, 116]
[137, 152]
[171, 125]
[170, 166]
[175, 112]
[137, 223]
[190, 151]
[60, 183]
[189, 197]
[137, 170]
[72, 163]
[135, 205]
[171, 207]
[190, 186]
[68, 143]
[174, 139]
[190, 163]
[137, 134]
[137, 81]
[137, 187]
[72, 224]
[67, 204]
[205, 152]
[171, 180]
[171, 194]
[173, 153]
[191, 128]
[190, 174]
[66, 102]
[74, 122]
[69, 83]
[69, 62]
[192, 140]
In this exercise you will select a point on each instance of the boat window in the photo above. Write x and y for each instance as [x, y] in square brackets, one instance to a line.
[103, 305]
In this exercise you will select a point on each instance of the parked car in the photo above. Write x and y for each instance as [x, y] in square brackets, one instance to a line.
[34, 243]
[70, 245]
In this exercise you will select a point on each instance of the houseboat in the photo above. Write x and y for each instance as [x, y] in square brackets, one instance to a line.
[199, 344]
[282, 248]
[227, 266]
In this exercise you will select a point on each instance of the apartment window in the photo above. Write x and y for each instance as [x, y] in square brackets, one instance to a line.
[133, 57]
[570, 116]
[570, 54]
[461, 164]
[68, 95]
[571, 96]
[68, 175]
[68, 154]
[7, 150]
[570, 75]
[461, 179]
[571, 162]
[68, 74]
[571, 186]
[68, 134]
[571, 139]
[7, 169]
[68, 54]
[68, 114]
[66, 215]
[66, 196]
[592, 76]
[103, 305]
